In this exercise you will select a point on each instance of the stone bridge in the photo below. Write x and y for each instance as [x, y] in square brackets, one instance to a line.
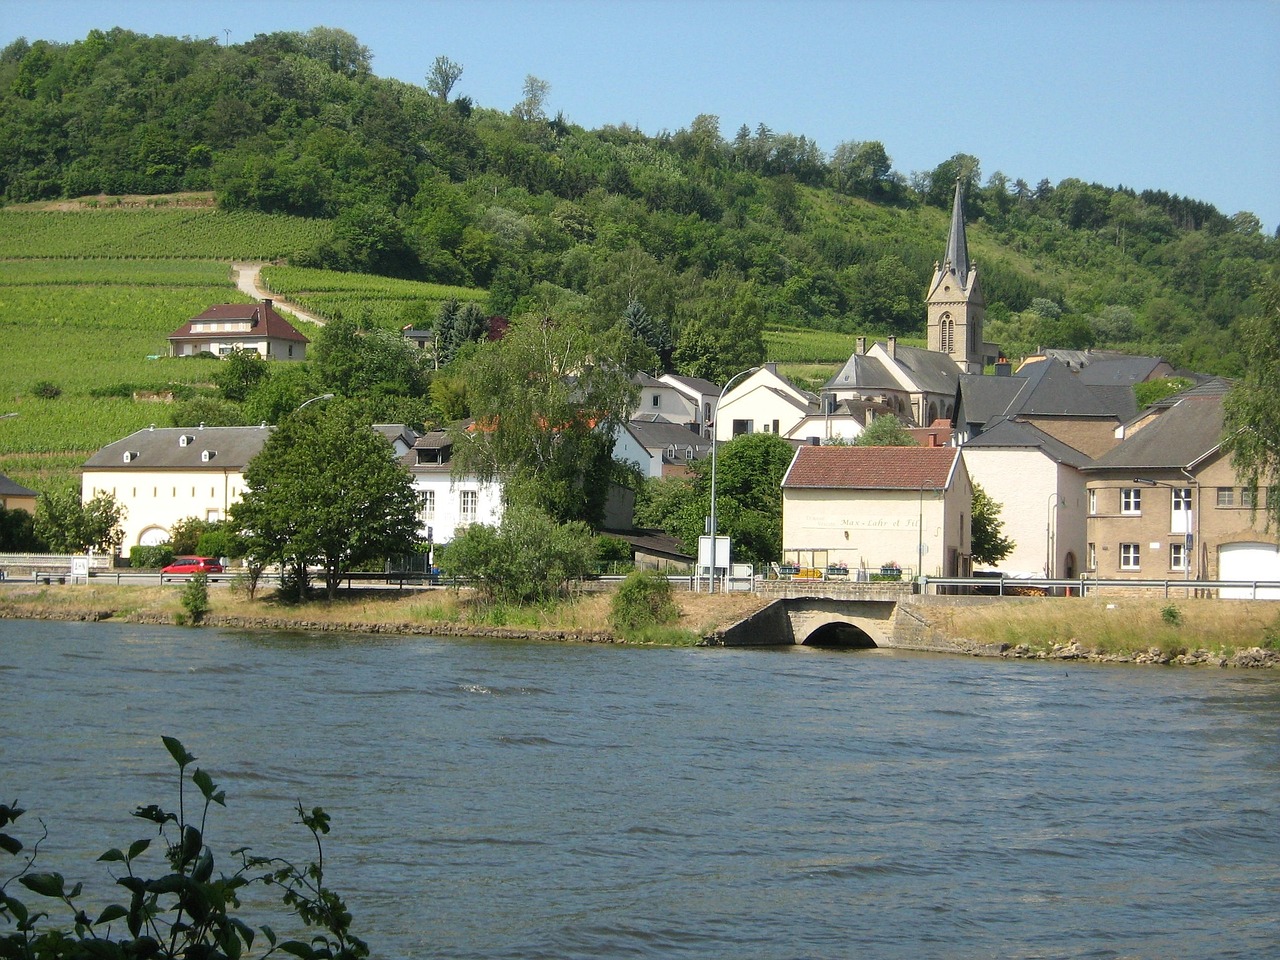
[827, 614]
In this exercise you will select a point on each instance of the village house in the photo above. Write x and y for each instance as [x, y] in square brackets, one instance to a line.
[659, 448]
[867, 509]
[227, 327]
[844, 422]
[700, 395]
[14, 496]
[660, 400]
[165, 474]
[447, 504]
[763, 402]
[1166, 502]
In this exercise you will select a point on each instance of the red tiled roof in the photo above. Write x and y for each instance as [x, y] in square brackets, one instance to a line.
[273, 326]
[872, 468]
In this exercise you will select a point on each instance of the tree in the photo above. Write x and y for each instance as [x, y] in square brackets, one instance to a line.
[547, 399]
[443, 75]
[722, 329]
[534, 104]
[885, 431]
[989, 544]
[337, 49]
[69, 525]
[887, 296]
[527, 558]
[326, 489]
[18, 532]
[1252, 418]
[239, 372]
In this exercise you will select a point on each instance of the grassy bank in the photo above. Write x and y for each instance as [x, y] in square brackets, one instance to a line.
[443, 611]
[1119, 628]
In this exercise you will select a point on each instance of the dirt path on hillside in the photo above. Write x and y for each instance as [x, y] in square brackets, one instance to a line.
[249, 280]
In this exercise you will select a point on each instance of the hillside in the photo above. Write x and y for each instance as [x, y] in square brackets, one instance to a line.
[135, 169]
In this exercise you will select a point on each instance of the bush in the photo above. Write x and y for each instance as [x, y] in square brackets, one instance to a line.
[195, 598]
[643, 600]
[1171, 615]
[612, 552]
[151, 558]
[184, 912]
[47, 390]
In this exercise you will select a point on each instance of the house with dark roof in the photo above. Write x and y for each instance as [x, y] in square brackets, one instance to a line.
[165, 474]
[227, 327]
[659, 448]
[700, 395]
[874, 507]
[662, 400]
[918, 385]
[447, 501]
[844, 422]
[1166, 502]
[14, 496]
[763, 402]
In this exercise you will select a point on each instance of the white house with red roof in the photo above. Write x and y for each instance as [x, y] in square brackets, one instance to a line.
[869, 508]
[227, 327]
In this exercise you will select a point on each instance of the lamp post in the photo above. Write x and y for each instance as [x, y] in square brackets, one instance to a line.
[715, 442]
[1188, 540]
[930, 485]
[323, 396]
[1051, 505]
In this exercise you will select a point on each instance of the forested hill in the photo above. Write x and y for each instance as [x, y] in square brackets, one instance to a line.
[680, 225]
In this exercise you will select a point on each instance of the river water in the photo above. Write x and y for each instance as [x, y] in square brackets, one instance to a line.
[528, 800]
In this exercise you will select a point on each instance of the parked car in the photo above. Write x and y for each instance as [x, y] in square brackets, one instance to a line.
[193, 565]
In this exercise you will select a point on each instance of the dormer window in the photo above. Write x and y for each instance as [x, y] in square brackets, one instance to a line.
[207, 455]
[185, 440]
[131, 455]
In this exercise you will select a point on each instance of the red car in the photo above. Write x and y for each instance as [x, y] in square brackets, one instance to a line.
[193, 565]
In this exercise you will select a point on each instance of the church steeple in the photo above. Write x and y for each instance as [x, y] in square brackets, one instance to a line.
[955, 301]
[957, 244]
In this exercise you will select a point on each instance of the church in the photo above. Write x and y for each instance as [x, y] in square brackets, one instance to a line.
[919, 385]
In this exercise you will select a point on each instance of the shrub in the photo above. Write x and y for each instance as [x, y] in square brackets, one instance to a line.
[195, 598]
[612, 552]
[149, 558]
[187, 911]
[643, 600]
[47, 390]
[1171, 615]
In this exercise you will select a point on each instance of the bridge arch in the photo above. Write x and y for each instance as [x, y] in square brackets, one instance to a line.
[851, 624]
[840, 634]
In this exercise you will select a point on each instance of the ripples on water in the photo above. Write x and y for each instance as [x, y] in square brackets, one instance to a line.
[510, 800]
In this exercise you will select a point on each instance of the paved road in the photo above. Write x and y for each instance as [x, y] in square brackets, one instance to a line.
[249, 280]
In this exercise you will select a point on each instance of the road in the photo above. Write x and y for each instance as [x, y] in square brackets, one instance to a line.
[249, 280]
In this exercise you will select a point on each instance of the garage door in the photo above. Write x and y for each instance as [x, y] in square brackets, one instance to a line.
[1249, 561]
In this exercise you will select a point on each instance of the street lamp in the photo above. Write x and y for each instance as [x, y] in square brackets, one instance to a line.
[1188, 540]
[323, 396]
[1051, 505]
[929, 485]
[715, 442]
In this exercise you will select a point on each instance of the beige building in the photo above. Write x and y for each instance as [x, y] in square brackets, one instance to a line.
[227, 327]
[14, 496]
[1166, 503]
[874, 507]
[165, 474]
[764, 402]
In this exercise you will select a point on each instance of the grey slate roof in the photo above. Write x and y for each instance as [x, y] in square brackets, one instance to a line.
[160, 448]
[957, 244]
[1014, 435]
[9, 488]
[656, 435]
[1187, 431]
[862, 372]
[932, 371]
[1124, 371]
[698, 385]
[1044, 388]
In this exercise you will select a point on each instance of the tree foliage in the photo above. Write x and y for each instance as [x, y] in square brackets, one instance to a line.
[1252, 426]
[989, 544]
[69, 525]
[527, 558]
[547, 399]
[886, 431]
[326, 490]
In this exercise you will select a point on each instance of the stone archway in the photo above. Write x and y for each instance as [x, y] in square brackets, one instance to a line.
[840, 635]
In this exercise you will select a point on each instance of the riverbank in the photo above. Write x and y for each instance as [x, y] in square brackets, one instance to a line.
[1226, 633]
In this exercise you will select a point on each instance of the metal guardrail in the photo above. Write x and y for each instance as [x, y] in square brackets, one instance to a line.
[1083, 586]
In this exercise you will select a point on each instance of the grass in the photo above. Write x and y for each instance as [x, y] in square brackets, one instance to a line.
[1118, 626]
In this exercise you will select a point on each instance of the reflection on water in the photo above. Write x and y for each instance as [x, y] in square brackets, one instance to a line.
[503, 799]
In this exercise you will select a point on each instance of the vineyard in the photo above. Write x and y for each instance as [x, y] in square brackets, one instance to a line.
[183, 233]
[374, 301]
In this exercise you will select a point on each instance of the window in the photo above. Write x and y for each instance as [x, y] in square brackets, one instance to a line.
[1093, 502]
[1131, 501]
[467, 506]
[426, 504]
[1130, 556]
[1177, 556]
[743, 426]
[655, 402]
[1180, 522]
[1226, 496]
[1091, 556]
[1248, 496]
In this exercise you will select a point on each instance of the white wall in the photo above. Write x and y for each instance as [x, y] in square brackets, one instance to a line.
[446, 514]
[155, 500]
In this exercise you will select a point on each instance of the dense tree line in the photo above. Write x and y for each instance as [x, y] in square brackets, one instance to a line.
[678, 224]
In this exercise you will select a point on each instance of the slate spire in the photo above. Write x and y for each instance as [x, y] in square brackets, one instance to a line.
[957, 257]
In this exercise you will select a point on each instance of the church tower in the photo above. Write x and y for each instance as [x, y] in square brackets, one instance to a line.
[955, 301]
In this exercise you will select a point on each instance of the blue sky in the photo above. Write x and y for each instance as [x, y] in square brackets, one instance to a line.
[1178, 95]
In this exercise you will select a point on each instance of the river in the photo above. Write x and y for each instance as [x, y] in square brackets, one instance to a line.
[527, 800]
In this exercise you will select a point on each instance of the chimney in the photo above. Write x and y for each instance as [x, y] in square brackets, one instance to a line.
[772, 368]
[1003, 368]
[893, 348]
[266, 302]
[861, 345]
